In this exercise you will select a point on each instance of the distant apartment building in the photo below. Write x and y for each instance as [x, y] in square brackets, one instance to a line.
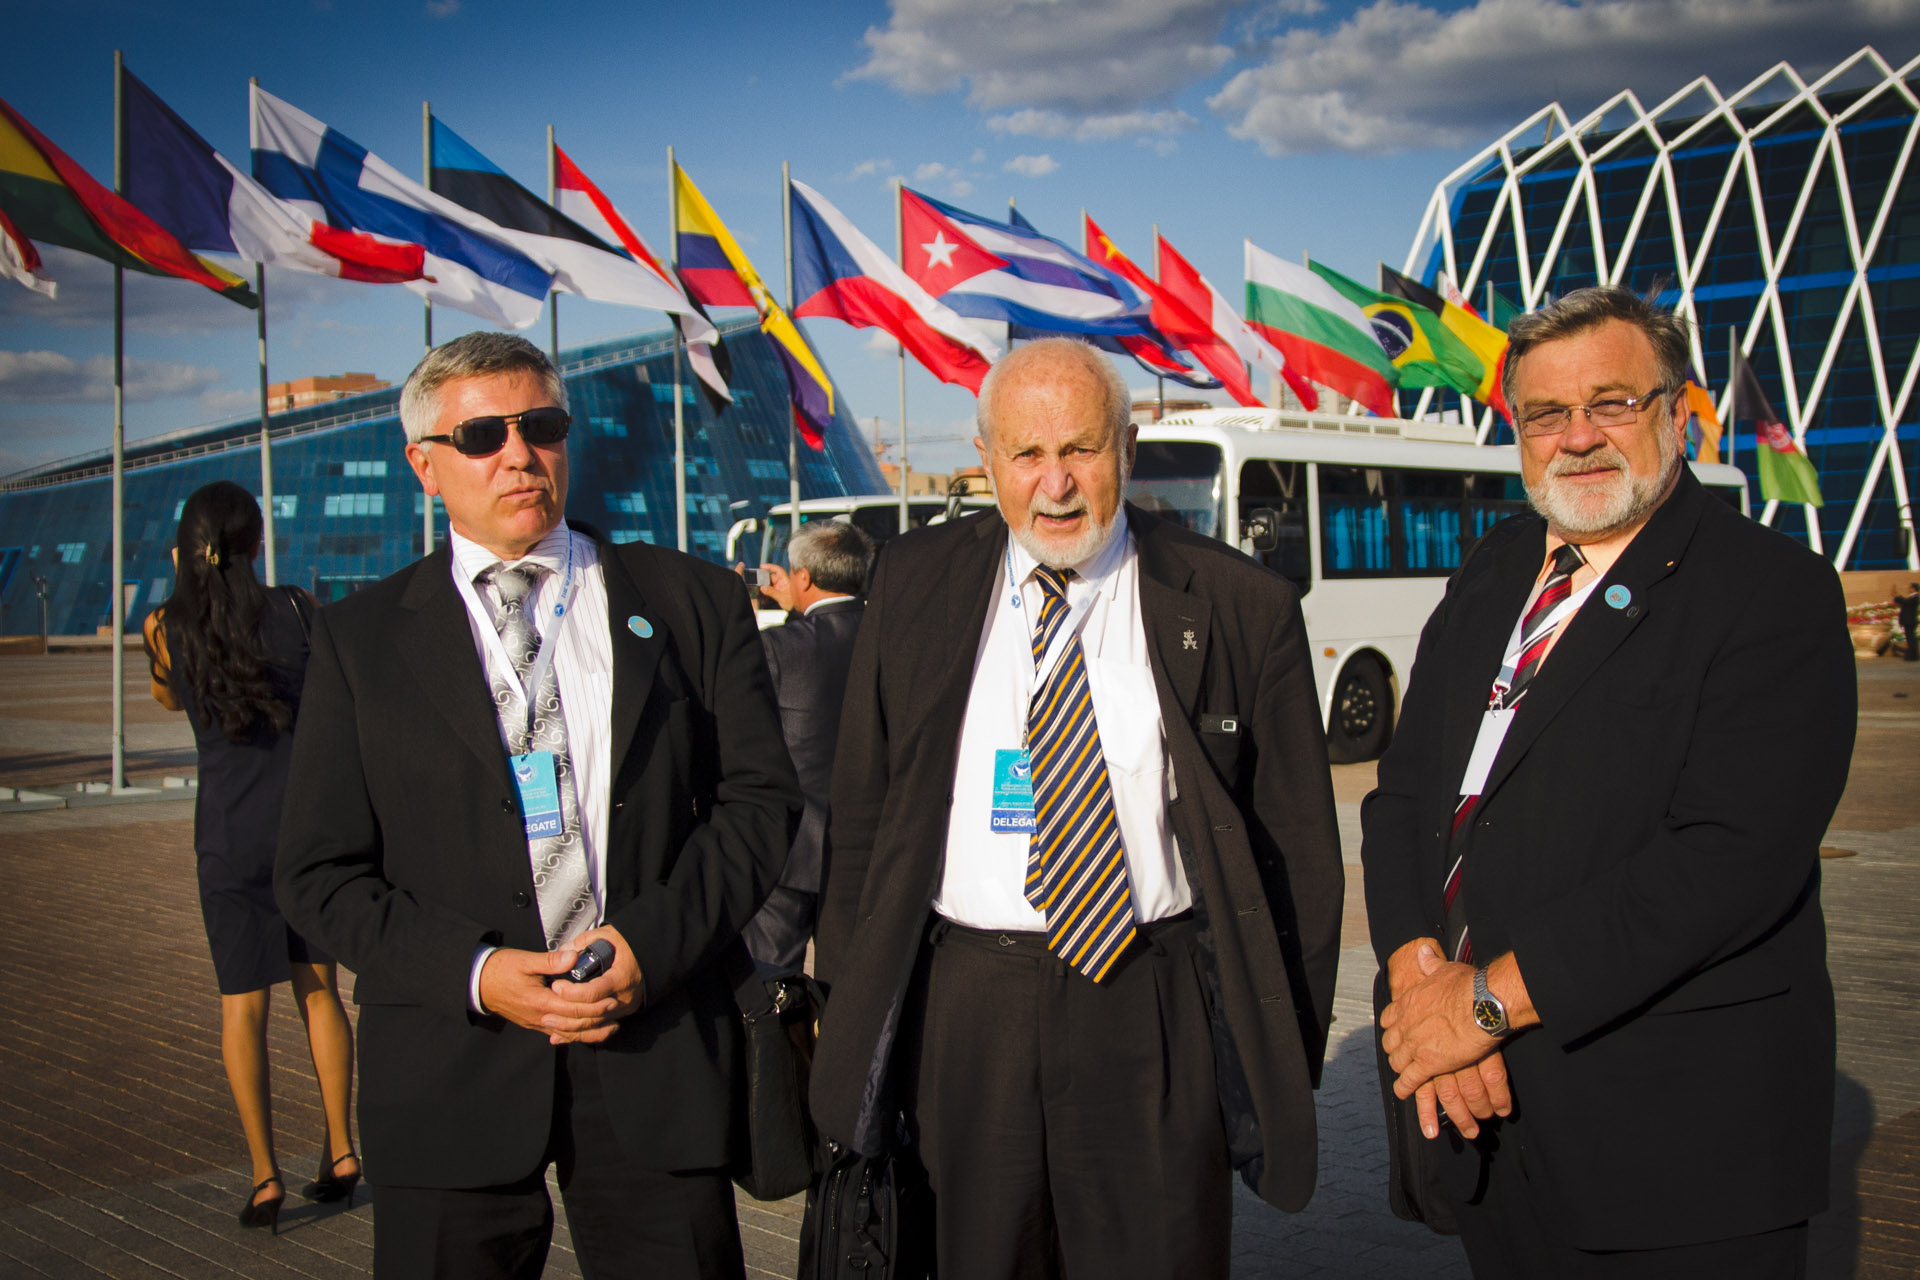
[302, 393]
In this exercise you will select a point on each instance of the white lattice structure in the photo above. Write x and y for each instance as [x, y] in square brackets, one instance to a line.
[1752, 211]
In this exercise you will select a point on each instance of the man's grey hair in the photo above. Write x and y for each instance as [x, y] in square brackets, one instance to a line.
[472, 355]
[1119, 405]
[835, 553]
[1586, 309]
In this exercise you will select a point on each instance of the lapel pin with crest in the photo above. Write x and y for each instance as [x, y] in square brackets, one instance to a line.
[1187, 641]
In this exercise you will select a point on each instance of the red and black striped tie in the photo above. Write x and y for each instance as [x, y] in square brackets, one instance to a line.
[1537, 630]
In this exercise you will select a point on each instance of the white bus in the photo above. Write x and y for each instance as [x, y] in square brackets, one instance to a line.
[1366, 516]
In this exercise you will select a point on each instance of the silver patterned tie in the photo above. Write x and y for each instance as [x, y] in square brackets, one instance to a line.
[560, 878]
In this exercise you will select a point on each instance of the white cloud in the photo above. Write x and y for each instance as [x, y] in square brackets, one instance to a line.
[51, 377]
[961, 188]
[1032, 166]
[442, 8]
[1033, 122]
[979, 156]
[226, 404]
[933, 171]
[1084, 56]
[870, 169]
[1397, 75]
[881, 343]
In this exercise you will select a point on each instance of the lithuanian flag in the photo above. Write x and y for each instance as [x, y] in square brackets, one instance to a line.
[52, 199]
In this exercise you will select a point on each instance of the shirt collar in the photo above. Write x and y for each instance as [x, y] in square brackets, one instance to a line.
[472, 559]
[1102, 568]
[808, 611]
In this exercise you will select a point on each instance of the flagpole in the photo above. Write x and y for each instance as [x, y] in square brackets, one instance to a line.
[679, 416]
[553, 295]
[793, 426]
[1159, 379]
[900, 256]
[426, 180]
[266, 443]
[116, 603]
[1733, 349]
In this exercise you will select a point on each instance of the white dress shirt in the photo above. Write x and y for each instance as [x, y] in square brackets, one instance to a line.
[582, 664]
[983, 885]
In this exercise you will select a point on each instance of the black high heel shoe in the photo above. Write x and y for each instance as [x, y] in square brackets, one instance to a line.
[265, 1213]
[331, 1188]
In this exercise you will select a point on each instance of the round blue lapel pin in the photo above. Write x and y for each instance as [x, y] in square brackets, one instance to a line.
[1618, 597]
[640, 626]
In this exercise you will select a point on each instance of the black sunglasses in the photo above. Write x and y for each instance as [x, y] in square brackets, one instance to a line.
[478, 437]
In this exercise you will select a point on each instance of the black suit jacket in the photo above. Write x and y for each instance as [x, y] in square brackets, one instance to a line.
[1254, 821]
[1647, 847]
[809, 657]
[401, 851]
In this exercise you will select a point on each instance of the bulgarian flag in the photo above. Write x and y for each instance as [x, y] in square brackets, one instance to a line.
[1786, 472]
[1322, 334]
[48, 197]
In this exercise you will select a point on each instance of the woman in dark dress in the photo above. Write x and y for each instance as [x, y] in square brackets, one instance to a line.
[232, 654]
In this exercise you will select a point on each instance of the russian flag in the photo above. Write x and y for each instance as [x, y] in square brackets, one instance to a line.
[469, 263]
[210, 206]
[840, 274]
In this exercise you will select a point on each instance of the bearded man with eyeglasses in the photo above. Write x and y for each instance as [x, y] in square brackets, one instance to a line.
[528, 744]
[1592, 860]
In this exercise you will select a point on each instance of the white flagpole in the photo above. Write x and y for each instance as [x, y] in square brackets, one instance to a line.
[793, 428]
[1159, 379]
[553, 295]
[900, 256]
[266, 442]
[116, 604]
[679, 416]
[426, 180]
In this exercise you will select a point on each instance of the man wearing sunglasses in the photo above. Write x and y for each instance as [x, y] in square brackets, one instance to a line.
[1592, 861]
[526, 744]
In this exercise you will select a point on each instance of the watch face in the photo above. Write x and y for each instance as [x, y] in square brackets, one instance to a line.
[1489, 1016]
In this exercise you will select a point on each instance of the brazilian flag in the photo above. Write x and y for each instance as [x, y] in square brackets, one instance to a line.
[1424, 352]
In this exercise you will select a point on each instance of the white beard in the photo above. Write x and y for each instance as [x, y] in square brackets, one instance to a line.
[1594, 511]
[1063, 555]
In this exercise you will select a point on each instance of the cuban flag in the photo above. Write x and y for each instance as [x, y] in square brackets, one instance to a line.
[998, 271]
[840, 274]
[578, 198]
[469, 264]
[186, 186]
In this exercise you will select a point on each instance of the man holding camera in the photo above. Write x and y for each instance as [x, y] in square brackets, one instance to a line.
[528, 742]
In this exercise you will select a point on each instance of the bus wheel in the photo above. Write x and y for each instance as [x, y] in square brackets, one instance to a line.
[1357, 728]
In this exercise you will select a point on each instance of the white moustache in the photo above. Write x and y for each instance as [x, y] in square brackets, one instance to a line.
[1048, 507]
[1604, 458]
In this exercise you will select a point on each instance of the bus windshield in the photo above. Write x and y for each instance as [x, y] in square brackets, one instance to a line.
[1183, 481]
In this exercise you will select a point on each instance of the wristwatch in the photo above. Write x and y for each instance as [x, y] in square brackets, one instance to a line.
[1488, 1013]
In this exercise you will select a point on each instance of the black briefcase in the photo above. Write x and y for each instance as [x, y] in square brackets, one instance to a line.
[868, 1218]
[778, 1018]
[1413, 1176]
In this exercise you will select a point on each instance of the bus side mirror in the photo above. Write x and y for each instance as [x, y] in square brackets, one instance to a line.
[735, 532]
[1262, 529]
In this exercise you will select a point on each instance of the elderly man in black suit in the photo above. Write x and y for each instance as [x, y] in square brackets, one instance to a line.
[1595, 891]
[1082, 903]
[528, 742]
[809, 656]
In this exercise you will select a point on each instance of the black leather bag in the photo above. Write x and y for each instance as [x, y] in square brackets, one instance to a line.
[868, 1218]
[778, 1018]
[1413, 1178]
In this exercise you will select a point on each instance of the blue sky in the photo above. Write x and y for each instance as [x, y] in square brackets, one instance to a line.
[1311, 126]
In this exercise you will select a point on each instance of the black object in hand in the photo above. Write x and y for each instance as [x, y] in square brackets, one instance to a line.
[591, 962]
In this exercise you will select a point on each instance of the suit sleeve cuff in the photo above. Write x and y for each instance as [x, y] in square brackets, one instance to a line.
[480, 954]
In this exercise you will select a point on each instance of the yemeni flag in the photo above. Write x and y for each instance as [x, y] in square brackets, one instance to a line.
[1786, 472]
[1423, 352]
[1323, 334]
[47, 197]
[576, 196]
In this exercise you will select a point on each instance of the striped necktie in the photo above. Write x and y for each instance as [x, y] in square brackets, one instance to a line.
[1076, 864]
[1537, 631]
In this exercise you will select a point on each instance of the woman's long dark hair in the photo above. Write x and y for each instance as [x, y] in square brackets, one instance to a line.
[212, 619]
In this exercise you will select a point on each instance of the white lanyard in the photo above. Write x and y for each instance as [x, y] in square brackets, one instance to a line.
[549, 643]
[1069, 628]
[1516, 648]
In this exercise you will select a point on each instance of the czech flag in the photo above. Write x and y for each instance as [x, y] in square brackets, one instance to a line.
[840, 274]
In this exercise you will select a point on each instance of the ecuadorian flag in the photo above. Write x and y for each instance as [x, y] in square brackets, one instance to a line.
[718, 274]
[52, 199]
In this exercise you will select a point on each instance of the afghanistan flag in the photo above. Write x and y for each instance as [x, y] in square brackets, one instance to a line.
[47, 197]
[1786, 472]
[1423, 351]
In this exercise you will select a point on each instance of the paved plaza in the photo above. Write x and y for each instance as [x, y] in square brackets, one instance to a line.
[120, 1155]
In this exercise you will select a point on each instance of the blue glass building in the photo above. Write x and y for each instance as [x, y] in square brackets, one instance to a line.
[1784, 217]
[348, 510]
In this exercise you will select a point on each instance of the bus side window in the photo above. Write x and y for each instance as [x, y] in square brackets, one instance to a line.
[1355, 531]
[1491, 498]
[1280, 488]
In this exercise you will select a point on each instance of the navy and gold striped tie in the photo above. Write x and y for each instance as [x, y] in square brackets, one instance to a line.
[1076, 863]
